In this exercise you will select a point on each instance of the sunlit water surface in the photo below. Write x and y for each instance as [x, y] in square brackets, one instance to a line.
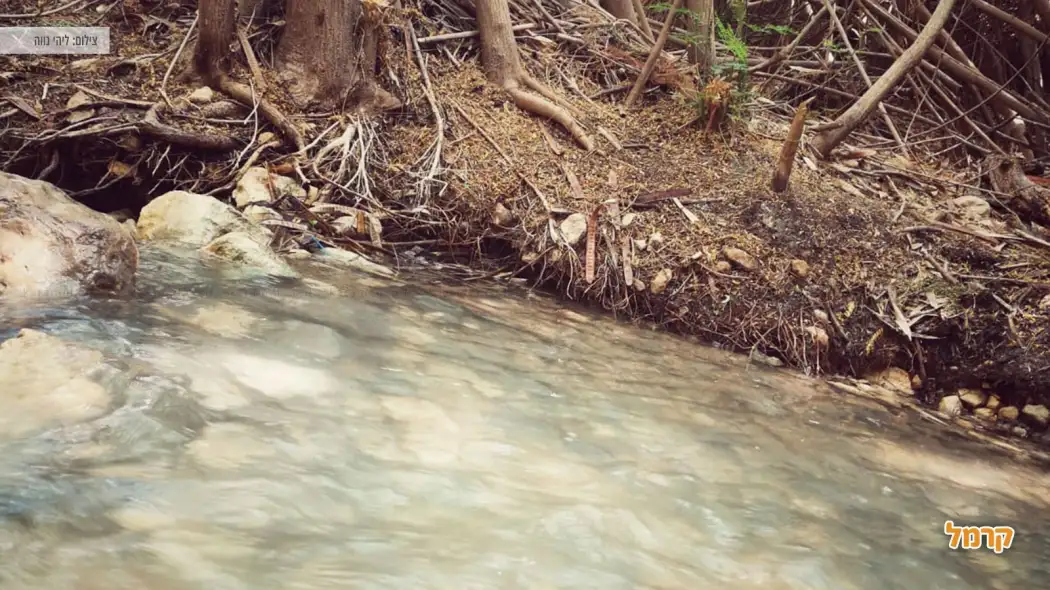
[254, 434]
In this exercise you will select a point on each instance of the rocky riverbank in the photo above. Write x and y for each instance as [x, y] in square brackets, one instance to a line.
[245, 240]
[873, 262]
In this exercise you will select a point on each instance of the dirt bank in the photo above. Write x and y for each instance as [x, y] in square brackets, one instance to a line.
[869, 261]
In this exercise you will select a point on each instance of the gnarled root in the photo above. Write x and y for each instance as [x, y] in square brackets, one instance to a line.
[244, 95]
[543, 103]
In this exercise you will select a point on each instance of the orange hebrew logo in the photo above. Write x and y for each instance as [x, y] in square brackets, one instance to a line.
[996, 538]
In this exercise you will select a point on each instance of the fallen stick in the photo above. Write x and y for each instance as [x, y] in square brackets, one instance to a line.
[654, 55]
[786, 160]
[860, 110]
[863, 71]
[468, 34]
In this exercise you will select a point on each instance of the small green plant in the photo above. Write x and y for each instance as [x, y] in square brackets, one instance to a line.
[738, 48]
[778, 29]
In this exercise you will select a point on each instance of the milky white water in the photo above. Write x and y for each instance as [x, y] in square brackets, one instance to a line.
[227, 433]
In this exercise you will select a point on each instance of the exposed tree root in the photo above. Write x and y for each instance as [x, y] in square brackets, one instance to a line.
[204, 141]
[244, 95]
[538, 104]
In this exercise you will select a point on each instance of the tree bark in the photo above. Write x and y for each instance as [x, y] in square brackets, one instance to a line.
[862, 109]
[216, 20]
[620, 9]
[702, 25]
[327, 54]
[499, 58]
[211, 60]
[643, 20]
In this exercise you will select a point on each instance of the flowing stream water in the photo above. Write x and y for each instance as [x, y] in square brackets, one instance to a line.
[226, 432]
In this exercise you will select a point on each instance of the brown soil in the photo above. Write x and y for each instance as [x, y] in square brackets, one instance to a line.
[878, 235]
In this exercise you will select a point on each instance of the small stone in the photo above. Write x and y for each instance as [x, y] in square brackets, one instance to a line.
[1009, 413]
[971, 206]
[298, 254]
[266, 137]
[78, 99]
[346, 224]
[821, 316]
[638, 285]
[656, 238]
[973, 398]
[800, 268]
[1037, 415]
[820, 337]
[992, 403]
[627, 219]
[893, 378]
[84, 64]
[1019, 431]
[258, 213]
[916, 382]
[501, 216]
[950, 405]
[722, 266]
[202, 95]
[1044, 303]
[574, 227]
[740, 258]
[660, 281]
[255, 187]
[80, 115]
[765, 359]
[985, 413]
[640, 244]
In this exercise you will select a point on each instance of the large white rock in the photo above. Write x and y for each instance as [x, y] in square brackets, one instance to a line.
[44, 382]
[242, 248]
[253, 187]
[193, 219]
[49, 243]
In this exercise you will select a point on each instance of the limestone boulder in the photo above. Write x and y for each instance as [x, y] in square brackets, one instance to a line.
[50, 243]
[46, 382]
[241, 248]
[194, 220]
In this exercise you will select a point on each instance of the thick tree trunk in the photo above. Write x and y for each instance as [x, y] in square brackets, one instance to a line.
[499, 58]
[702, 25]
[216, 20]
[211, 60]
[620, 9]
[327, 54]
[862, 109]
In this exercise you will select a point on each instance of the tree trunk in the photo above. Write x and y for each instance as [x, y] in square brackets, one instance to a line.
[620, 9]
[327, 54]
[702, 25]
[862, 109]
[1029, 200]
[499, 58]
[216, 20]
